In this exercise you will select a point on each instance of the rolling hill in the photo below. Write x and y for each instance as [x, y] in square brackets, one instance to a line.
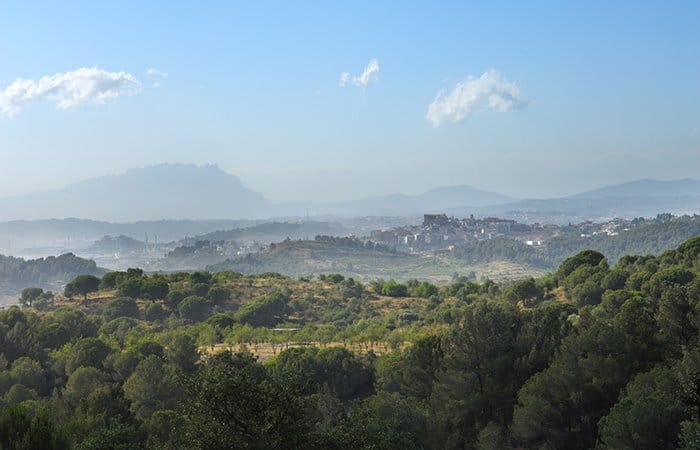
[363, 261]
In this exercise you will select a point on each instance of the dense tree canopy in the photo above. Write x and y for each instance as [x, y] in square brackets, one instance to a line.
[590, 356]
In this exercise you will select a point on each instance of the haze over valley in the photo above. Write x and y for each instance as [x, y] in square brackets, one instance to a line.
[363, 225]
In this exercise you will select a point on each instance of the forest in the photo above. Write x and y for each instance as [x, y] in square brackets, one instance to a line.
[592, 355]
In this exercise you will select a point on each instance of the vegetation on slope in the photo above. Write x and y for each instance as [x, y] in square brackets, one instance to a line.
[18, 272]
[591, 355]
[362, 260]
[647, 236]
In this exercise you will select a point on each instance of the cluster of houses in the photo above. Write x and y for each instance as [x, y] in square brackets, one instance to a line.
[438, 231]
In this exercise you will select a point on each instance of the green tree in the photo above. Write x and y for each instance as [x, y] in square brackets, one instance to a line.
[155, 288]
[263, 312]
[648, 414]
[130, 287]
[30, 295]
[121, 307]
[87, 352]
[29, 373]
[385, 421]
[526, 291]
[193, 308]
[152, 386]
[19, 430]
[218, 295]
[155, 312]
[393, 289]
[19, 393]
[477, 384]
[81, 383]
[182, 352]
[234, 403]
[82, 285]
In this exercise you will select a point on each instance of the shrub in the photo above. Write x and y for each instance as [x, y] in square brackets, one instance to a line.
[193, 308]
[121, 307]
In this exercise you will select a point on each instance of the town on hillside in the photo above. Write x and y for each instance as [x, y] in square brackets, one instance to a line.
[438, 232]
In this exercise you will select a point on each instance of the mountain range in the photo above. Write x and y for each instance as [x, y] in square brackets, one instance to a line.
[189, 192]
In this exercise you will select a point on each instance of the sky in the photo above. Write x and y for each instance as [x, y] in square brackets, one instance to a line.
[331, 101]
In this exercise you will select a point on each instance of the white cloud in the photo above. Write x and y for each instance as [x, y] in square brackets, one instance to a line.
[67, 89]
[156, 73]
[490, 90]
[368, 76]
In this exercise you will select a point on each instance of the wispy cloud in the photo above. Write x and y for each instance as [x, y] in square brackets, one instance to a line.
[367, 77]
[490, 91]
[67, 89]
[156, 73]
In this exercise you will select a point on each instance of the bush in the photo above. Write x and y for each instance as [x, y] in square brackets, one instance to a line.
[393, 289]
[155, 312]
[218, 294]
[422, 289]
[110, 280]
[130, 287]
[82, 285]
[263, 312]
[200, 289]
[193, 308]
[173, 299]
[155, 288]
[201, 277]
[121, 307]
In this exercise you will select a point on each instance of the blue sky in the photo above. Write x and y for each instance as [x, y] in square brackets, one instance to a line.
[596, 92]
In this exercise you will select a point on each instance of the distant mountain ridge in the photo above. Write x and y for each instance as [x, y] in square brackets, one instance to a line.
[190, 192]
[646, 188]
[434, 200]
[166, 191]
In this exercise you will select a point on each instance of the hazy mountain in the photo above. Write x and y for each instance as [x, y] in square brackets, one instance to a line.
[180, 191]
[646, 188]
[641, 198]
[167, 191]
[434, 200]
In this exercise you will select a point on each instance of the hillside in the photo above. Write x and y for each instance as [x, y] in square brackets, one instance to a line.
[364, 261]
[197, 256]
[50, 272]
[644, 237]
[270, 232]
[397, 359]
